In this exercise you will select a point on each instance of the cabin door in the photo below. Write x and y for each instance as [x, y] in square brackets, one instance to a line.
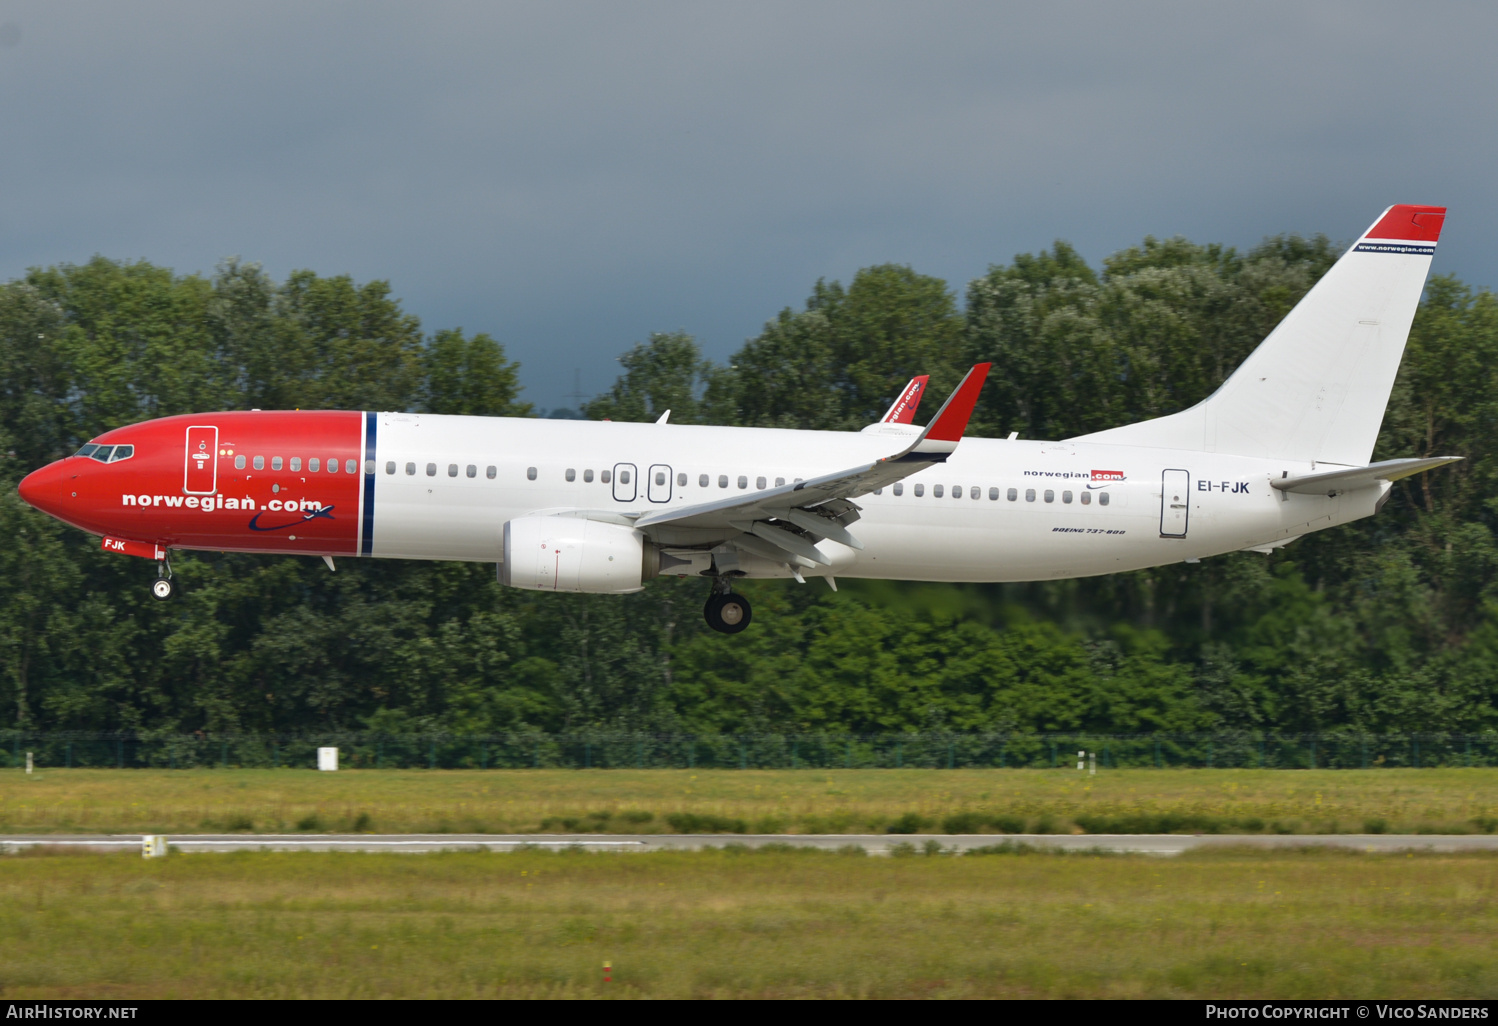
[1175, 507]
[200, 476]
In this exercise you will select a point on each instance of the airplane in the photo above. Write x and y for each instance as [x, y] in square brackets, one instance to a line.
[1280, 450]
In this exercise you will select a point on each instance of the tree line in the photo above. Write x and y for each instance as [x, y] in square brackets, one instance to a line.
[1388, 624]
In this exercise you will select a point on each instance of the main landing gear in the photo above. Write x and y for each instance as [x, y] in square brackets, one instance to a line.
[162, 588]
[726, 612]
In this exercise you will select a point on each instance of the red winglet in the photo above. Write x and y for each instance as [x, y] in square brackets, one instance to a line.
[902, 410]
[1408, 223]
[951, 420]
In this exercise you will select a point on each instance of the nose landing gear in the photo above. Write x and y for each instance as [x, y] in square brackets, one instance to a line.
[162, 588]
[726, 612]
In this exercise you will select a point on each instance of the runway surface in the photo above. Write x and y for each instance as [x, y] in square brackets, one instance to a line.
[874, 844]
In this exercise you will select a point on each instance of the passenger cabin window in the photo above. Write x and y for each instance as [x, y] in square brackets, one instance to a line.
[432, 470]
[369, 467]
[410, 469]
[624, 477]
[1029, 494]
[1012, 494]
[900, 489]
[722, 480]
[681, 480]
[878, 491]
[275, 463]
[779, 482]
[977, 493]
[332, 465]
[495, 470]
[1086, 498]
[571, 474]
[1102, 498]
[239, 463]
[259, 462]
[389, 467]
[993, 495]
[587, 475]
[352, 467]
[759, 482]
[313, 465]
[920, 490]
[660, 477]
[1066, 496]
[936, 491]
[1050, 496]
[701, 480]
[452, 470]
[473, 471]
[605, 476]
[530, 473]
[743, 481]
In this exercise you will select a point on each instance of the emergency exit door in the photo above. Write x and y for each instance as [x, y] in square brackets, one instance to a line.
[200, 476]
[659, 488]
[1175, 507]
[625, 485]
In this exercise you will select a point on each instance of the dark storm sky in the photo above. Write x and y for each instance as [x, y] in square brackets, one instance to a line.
[571, 176]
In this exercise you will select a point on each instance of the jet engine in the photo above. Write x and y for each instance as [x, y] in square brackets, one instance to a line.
[576, 555]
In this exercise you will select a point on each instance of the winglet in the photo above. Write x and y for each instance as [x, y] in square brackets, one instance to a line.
[945, 430]
[902, 410]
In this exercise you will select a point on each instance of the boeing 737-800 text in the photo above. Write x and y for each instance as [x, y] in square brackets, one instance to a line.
[1280, 450]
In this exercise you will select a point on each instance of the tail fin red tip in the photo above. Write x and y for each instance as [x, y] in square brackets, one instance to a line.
[1409, 223]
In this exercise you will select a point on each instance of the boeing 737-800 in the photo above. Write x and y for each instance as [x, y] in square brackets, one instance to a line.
[1281, 449]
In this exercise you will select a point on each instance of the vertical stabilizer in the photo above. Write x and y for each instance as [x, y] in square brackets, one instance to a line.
[1316, 388]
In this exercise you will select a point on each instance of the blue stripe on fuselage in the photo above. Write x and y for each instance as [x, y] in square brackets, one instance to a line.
[367, 548]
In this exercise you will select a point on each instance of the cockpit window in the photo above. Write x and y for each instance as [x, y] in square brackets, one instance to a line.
[102, 453]
[122, 452]
[87, 450]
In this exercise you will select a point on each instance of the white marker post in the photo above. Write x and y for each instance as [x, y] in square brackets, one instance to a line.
[1092, 764]
[153, 846]
[1080, 757]
[28, 764]
[327, 760]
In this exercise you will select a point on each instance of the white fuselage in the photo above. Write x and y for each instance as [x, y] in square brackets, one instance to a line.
[1007, 510]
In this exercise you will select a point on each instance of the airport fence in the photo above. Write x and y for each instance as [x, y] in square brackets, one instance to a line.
[620, 750]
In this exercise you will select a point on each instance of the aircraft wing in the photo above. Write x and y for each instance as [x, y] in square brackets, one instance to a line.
[786, 522]
[1335, 482]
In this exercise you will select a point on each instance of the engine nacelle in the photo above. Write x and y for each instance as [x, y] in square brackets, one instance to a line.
[576, 555]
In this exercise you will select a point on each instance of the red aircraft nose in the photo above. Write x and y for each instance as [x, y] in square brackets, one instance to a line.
[43, 488]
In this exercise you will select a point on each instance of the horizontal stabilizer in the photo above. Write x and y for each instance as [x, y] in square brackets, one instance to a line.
[1335, 482]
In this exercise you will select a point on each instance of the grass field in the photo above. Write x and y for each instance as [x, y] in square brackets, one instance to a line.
[725, 923]
[754, 801]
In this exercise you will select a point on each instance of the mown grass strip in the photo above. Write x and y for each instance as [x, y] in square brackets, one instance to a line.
[753, 801]
[745, 923]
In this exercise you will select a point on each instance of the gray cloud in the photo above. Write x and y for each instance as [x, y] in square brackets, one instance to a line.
[570, 177]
